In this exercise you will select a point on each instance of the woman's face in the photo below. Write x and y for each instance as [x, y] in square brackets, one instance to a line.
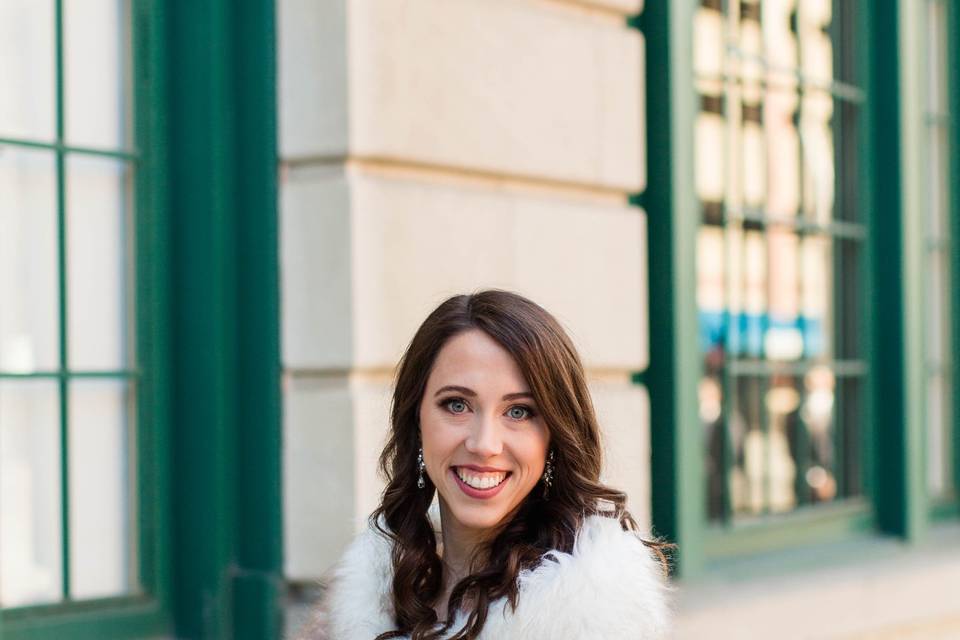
[484, 442]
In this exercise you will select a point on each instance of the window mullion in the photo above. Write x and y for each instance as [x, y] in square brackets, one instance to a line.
[62, 280]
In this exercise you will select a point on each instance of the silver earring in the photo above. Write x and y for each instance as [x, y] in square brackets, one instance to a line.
[548, 475]
[421, 466]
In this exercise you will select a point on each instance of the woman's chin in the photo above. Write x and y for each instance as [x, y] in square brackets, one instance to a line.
[479, 517]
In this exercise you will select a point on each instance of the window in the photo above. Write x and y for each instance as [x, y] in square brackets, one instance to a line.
[778, 257]
[791, 378]
[77, 471]
[138, 320]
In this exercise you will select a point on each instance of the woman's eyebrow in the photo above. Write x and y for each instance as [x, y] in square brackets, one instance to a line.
[473, 394]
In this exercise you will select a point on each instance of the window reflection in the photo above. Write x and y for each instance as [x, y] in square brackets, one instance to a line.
[769, 275]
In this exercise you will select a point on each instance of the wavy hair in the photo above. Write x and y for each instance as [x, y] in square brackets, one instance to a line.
[550, 364]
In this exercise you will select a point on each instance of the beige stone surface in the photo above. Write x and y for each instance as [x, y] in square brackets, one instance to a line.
[334, 430]
[365, 258]
[315, 269]
[501, 86]
[623, 7]
[623, 410]
[312, 75]
[537, 93]
[319, 469]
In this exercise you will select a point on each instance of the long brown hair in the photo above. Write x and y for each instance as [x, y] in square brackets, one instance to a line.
[551, 366]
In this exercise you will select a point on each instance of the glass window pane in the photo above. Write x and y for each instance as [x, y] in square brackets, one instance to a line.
[819, 176]
[101, 488]
[816, 50]
[96, 87]
[27, 103]
[98, 259]
[709, 170]
[848, 300]
[708, 43]
[783, 339]
[763, 473]
[783, 154]
[30, 525]
[710, 396]
[29, 279]
[817, 312]
[755, 314]
[814, 439]
[747, 462]
[754, 166]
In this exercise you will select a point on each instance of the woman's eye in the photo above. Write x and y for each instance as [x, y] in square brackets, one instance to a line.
[456, 406]
[519, 412]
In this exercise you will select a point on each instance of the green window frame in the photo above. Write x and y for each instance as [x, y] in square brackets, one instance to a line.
[145, 612]
[953, 96]
[207, 324]
[891, 327]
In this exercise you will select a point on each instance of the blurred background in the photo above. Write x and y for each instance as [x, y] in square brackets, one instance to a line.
[221, 222]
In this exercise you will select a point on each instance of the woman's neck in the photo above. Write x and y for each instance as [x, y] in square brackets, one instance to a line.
[459, 545]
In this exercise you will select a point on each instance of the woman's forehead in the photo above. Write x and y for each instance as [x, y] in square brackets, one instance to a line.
[474, 358]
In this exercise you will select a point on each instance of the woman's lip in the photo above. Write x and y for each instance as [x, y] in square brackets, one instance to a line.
[483, 494]
[474, 467]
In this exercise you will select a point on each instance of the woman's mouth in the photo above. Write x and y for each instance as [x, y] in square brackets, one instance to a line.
[479, 485]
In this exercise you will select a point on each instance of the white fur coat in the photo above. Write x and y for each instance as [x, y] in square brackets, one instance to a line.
[610, 587]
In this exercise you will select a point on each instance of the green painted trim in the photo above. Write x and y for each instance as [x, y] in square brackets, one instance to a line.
[225, 319]
[913, 227]
[63, 308]
[94, 620]
[62, 148]
[153, 344]
[258, 583]
[896, 346]
[677, 470]
[953, 62]
[945, 510]
[805, 526]
[201, 195]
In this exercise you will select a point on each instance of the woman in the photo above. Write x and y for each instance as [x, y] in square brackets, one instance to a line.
[492, 413]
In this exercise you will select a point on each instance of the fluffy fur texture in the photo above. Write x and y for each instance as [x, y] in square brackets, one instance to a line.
[611, 586]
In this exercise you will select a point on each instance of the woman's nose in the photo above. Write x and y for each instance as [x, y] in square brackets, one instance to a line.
[484, 439]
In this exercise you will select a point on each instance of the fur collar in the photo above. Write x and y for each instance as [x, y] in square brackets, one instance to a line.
[611, 586]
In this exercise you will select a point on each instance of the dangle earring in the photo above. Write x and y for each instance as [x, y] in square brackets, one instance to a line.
[421, 465]
[548, 476]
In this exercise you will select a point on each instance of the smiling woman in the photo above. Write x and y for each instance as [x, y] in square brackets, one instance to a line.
[482, 450]
[491, 413]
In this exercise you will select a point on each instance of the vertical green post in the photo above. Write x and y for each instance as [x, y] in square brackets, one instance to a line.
[896, 356]
[225, 329]
[953, 88]
[258, 584]
[677, 468]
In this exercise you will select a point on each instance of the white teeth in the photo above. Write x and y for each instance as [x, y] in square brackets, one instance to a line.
[477, 481]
